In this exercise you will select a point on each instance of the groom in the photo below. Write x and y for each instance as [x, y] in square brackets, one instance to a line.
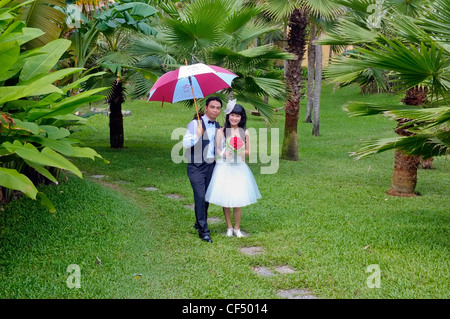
[199, 144]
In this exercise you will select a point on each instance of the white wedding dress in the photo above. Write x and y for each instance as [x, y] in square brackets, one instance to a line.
[232, 183]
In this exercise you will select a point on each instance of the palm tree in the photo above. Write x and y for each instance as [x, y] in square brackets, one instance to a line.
[417, 54]
[98, 44]
[296, 13]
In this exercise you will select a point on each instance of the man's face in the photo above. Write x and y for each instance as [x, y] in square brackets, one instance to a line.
[212, 110]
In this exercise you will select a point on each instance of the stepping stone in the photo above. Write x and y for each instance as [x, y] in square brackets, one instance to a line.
[296, 294]
[285, 270]
[151, 189]
[214, 220]
[174, 196]
[255, 250]
[263, 271]
[190, 206]
[121, 182]
[97, 176]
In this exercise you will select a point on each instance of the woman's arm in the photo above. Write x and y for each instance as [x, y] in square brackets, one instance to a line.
[218, 140]
[247, 143]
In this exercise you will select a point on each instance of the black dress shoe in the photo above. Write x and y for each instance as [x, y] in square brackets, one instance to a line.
[206, 238]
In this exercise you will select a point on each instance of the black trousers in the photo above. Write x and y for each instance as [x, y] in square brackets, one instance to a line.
[200, 176]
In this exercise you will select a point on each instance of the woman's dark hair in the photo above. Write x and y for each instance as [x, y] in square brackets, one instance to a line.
[238, 109]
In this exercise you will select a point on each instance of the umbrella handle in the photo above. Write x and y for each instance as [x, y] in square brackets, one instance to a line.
[193, 95]
[195, 103]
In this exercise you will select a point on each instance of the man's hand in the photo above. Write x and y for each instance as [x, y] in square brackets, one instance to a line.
[199, 131]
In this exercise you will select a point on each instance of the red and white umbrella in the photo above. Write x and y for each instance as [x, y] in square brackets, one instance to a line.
[191, 82]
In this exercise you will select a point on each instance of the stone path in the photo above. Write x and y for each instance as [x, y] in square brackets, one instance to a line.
[296, 294]
[281, 270]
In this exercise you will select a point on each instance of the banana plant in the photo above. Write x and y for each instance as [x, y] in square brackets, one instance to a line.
[36, 114]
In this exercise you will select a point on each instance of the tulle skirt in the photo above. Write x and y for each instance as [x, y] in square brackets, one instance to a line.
[232, 185]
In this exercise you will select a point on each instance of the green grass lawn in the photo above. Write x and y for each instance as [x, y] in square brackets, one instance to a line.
[326, 216]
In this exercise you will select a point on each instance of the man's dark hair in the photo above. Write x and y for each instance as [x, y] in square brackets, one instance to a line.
[201, 111]
[213, 98]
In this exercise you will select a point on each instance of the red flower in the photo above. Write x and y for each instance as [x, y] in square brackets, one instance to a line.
[235, 143]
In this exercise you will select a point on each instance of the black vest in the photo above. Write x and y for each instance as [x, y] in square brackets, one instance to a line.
[197, 153]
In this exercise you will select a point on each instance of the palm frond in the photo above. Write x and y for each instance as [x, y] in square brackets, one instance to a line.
[413, 65]
[357, 108]
[323, 8]
[425, 145]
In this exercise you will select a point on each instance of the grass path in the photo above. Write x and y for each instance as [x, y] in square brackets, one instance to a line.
[326, 217]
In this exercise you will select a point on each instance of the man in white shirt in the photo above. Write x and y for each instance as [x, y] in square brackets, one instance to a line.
[199, 144]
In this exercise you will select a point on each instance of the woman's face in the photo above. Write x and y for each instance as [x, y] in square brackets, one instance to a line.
[234, 119]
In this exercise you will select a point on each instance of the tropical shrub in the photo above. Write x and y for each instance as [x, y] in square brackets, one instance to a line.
[36, 116]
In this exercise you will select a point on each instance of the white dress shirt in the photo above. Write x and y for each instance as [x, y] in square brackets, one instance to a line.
[190, 138]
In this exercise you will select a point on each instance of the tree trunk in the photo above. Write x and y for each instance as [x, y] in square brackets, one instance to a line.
[115, 100]
[311, 71]
[296, 45]
[404, 178]
[317, 90]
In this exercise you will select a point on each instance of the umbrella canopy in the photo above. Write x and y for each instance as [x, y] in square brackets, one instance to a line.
[190, 82]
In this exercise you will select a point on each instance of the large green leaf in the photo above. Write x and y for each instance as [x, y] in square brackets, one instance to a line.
[12, 179]
[24, 36]
[43, 63]
[68, 105]
[46, 157]
[9, 93]
[42, 170]
[46, 202]
[63, 146]
[29, 127]
[43, 15]
[9, 53]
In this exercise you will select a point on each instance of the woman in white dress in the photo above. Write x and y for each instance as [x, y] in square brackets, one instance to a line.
[232, 183]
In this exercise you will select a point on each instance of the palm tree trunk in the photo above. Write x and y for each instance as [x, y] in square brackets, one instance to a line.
[296, 45]
[317, 90]
[115, 100]
[311, 71]
[404, 178]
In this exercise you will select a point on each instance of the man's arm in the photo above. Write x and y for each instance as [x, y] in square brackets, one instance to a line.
[193, 134]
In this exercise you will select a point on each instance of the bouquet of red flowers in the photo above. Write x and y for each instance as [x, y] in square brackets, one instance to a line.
[235, 144]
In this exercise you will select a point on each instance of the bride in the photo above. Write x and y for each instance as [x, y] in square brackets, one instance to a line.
[232, 183]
